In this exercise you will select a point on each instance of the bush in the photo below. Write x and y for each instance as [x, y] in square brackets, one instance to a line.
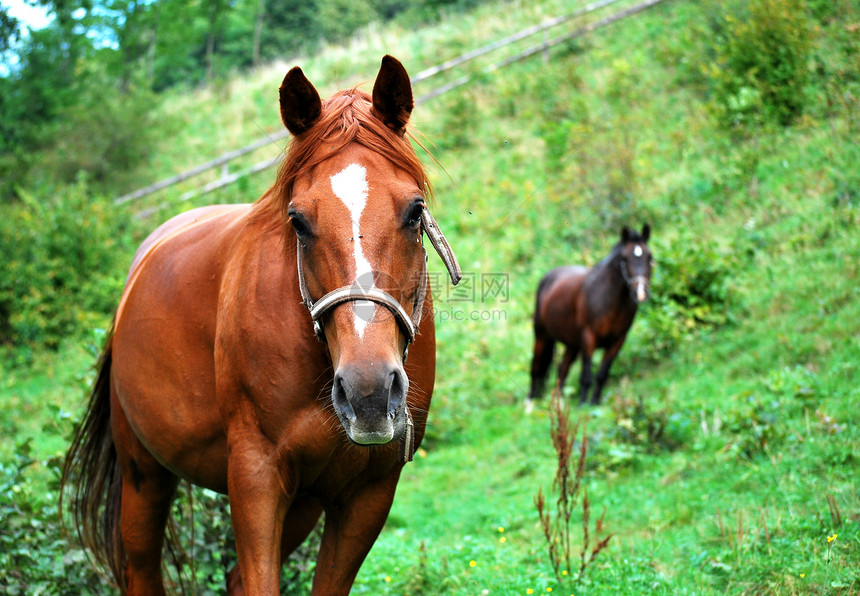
[35, 557]
[689, 290]
[761, 67]
[64, 264]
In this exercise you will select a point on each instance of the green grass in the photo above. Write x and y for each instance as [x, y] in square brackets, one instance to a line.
[758, 413]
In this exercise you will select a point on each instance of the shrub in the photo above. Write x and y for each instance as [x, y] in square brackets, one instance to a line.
[689, 290]
[35, 557]
[761, 66]
[64, 264]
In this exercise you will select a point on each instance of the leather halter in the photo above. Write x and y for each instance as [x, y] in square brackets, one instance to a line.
[355, 292]
[631, 281]
[409, 324]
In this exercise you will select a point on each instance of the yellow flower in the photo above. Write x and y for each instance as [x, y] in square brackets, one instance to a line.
[802, 575]
[831, 538]
[501, 529]
[472, 563]
[387, 578]
[502, 539]
[549, 589]
[530, 591]
[564, 572]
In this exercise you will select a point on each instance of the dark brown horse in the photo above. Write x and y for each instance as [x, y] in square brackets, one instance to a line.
[586, 309]
[260, 350]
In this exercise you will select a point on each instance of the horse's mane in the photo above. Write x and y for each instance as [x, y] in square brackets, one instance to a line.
[345, 118]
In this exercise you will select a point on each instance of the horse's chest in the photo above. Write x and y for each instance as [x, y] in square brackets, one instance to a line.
[611, 327]
[349, 469]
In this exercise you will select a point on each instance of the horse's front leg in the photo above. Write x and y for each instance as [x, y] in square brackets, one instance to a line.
[351, 528]
[301, 519]
[603, 372]
[586, 377]
[258, 506]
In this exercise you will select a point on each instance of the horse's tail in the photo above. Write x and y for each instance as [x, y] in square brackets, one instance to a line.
[91, 475]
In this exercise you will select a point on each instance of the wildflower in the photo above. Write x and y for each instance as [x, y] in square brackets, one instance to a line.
[501, 529]
[564, 571]
[530, 591]
[387, 578]
[831, 538]
[472, 563]
[802, 575]
[502, 539]
[549, 589]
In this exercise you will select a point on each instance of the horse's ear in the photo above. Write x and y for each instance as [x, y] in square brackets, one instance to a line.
[646, 232]
[626, 234]
[300, 102]
[392, 95]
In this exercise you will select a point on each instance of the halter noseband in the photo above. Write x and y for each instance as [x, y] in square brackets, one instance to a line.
[355, 292]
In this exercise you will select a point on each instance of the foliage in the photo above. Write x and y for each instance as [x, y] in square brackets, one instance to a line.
[79, 94]
[64, 266]
[63, 112]
[9, 30]
[650, 427]
[690, 289]
[38, 556]
[35, 557]
[761, 67]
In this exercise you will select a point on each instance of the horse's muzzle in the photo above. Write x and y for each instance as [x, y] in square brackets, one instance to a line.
[640, 288]
[370, 402]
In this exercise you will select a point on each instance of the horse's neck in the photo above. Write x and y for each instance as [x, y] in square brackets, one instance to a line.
[607, 274]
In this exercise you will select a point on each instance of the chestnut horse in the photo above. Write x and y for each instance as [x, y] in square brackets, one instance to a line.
[260, 350]
[586, 309]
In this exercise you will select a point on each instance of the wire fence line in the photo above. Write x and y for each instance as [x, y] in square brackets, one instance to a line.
[226, 178]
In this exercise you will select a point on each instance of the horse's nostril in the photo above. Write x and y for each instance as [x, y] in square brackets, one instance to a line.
[340, 398]
[396, 393]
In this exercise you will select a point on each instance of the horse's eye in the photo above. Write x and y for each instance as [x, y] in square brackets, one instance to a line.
[413, 215]
[300, 224]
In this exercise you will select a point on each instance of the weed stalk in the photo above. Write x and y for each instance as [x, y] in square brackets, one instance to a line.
[556, 526]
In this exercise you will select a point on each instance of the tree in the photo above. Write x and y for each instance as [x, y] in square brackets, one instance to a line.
[9, 30]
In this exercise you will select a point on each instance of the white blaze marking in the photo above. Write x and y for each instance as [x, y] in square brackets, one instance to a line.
[350, 186]
[637, 251]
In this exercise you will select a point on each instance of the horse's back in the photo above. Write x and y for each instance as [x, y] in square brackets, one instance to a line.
[201, 216]
[561, 283]
[557, 299]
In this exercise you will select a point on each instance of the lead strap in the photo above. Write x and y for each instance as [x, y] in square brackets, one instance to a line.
[409, 438]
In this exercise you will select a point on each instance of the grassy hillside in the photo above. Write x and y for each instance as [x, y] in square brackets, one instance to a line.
[726, 451]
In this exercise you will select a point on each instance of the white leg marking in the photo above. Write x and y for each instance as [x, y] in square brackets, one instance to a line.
[350, 186]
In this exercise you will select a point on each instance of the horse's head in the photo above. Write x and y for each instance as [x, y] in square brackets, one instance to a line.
[355, 195]
[636, 262]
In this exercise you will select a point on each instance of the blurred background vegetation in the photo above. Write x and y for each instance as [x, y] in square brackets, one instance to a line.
[727, 450]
